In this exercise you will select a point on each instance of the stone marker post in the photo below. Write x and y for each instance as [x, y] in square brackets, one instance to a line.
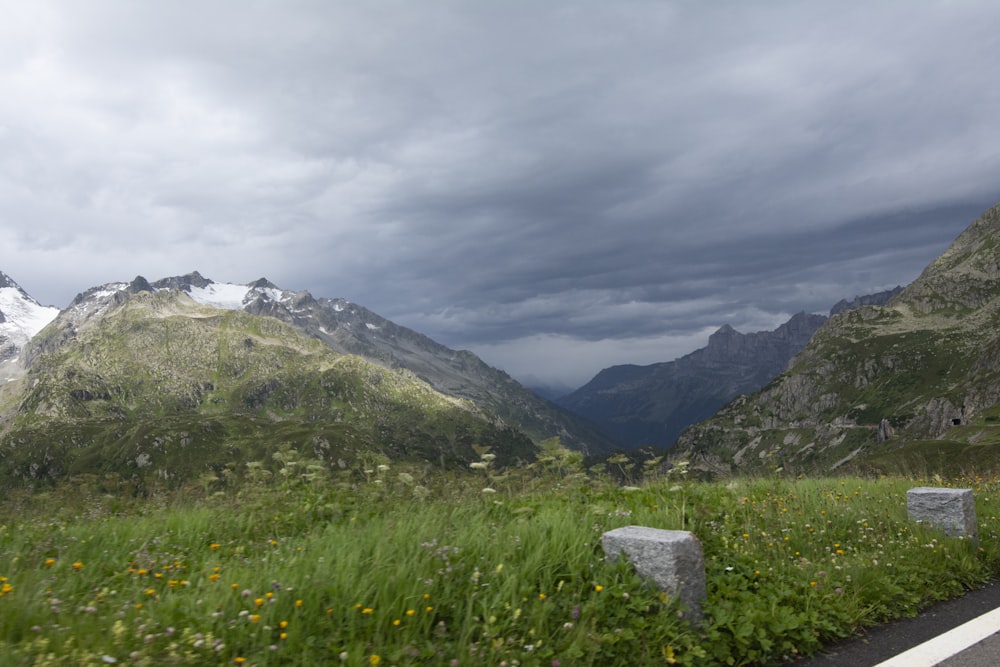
[951, 510]
[670, 559]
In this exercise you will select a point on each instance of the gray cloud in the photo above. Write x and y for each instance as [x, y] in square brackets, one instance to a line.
[557, 186]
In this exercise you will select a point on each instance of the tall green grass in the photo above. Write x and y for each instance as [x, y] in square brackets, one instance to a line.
[407, 567]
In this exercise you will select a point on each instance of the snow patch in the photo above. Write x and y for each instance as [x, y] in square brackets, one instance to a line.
[24, 316]
[221, 295]
[108, 291]
[273, 294]
[372, 327]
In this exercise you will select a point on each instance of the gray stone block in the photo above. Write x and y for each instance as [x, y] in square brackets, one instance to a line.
[951, 510]
[671, 560]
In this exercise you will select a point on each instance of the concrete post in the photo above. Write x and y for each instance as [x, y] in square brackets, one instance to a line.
[672, 560]
[951, 510]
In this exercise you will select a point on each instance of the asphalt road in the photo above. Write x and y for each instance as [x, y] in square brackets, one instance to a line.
[952, 621]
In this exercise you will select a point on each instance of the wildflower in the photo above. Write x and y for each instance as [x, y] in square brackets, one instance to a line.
[77, 565]
[598, 588]
[298, 603]
[396, 622]
[239, 660]
[368, 611]
[49, 562]
[283, 624]
[214, 546]
[259, 601]
[410, 612]
[541, 596]
[254, 618]
[374, 659]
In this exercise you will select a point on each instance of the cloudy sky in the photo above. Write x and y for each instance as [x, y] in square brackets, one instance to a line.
[558, 186]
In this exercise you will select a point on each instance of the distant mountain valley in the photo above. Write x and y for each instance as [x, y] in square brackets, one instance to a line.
[652, 405]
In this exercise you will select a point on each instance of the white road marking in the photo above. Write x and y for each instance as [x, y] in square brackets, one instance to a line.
[948, 644]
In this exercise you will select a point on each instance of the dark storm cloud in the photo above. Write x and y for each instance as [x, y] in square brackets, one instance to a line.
[558, 186]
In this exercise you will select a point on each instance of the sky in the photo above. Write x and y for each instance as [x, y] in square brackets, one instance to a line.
[557, 186]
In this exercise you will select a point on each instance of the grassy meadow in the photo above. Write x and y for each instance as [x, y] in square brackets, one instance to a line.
[399, 565]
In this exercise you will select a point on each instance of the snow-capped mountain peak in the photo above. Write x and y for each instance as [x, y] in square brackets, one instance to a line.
[21, 317]
[228, 296]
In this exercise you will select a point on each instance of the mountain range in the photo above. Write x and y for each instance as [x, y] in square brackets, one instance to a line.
[133, 363]
[185, 376]
[151, 385]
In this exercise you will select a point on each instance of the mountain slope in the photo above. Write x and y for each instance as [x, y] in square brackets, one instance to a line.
[142, 383]
[349, 328]
[21, 317]
[926, 366]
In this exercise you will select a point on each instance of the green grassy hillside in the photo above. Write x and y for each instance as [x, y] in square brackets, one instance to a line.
[160, 386]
